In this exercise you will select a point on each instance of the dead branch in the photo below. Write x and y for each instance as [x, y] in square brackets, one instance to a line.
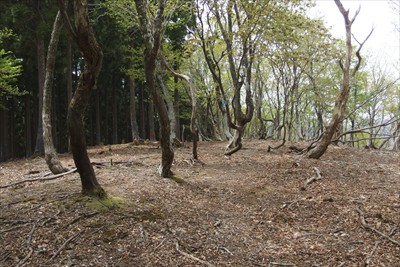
[85, 215]
[371, 254]
[366, 225]
[191, 256]
[65, 244]
[313, 178]
[366, 128]
[43, 178]
[29, 240]
[271, 263]
[21, 262]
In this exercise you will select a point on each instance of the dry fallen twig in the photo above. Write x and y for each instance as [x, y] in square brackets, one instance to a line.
[191, 256]
[21, 262]
[271, 263]
[313, 178]
[43, 178]
[369, 258]
[366, 225]
[65, 244]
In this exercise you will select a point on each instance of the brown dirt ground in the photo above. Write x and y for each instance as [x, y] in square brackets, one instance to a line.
[246, 210]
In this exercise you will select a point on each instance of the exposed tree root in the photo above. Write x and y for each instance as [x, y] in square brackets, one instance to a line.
[366, 225]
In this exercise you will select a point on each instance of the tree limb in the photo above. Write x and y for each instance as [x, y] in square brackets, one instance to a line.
[52, 177]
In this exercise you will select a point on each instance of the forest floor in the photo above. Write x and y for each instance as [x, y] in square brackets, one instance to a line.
[251, 209]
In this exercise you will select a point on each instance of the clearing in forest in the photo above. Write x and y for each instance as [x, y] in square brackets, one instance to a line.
[251, 209]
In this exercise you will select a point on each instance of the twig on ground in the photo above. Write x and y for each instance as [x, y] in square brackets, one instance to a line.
[29, 240]
[369, 258]
[289, 204]
[313, 178]
[366, 225]
[226, 250]
[159, 245]
[191, 256]
[271, 263]
[65, 244]
[11, 229]
[85, 215]
[21, 262]
[52, 177]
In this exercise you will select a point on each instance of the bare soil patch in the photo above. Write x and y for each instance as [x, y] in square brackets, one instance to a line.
[251, 209]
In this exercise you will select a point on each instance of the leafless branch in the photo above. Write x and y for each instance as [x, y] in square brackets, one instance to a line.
[367, 226]
[65, 244]
[52, 177]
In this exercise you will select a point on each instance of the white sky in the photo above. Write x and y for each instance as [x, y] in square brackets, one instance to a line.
[384, 43]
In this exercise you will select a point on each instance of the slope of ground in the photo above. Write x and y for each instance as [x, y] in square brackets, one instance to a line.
[251, 209]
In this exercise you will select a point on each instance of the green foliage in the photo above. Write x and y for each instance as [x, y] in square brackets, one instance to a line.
[10, 69]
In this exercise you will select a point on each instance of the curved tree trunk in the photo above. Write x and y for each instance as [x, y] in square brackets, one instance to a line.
[51, 156]
[341, 99]
[92, 55]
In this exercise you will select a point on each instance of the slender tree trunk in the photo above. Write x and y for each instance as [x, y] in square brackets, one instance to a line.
[4, 134]
[341, 99]
[69, 78]
[152, 30]
[51, 156]
[39, 146]
[92, 55]
[98, 121]
[28, 132]
[132, 109]
[170, 107]
[152, 131]
[114, 115]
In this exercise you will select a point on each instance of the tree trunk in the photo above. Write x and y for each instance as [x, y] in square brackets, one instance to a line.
[114, 115]
[4, 134]
[152, 30]
[51, 156]
[132, 109]
[69, 77]
[92, 55]
[39, 146]
[170, 107]
[28, 125]
[341, 100]
[150, 114]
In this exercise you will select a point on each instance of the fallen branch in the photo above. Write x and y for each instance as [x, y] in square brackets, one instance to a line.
[313, 178]
[52, 177]
[85, 215]
[191, 256]
[366, 225]
[21, 262]
[271, 263]
[369, 258]
[64, 245]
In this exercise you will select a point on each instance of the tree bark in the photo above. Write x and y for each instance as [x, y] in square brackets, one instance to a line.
[132, 109]
[84, 37]
[51, 156]
[151, 30]
[39, 145]
[341, 99]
